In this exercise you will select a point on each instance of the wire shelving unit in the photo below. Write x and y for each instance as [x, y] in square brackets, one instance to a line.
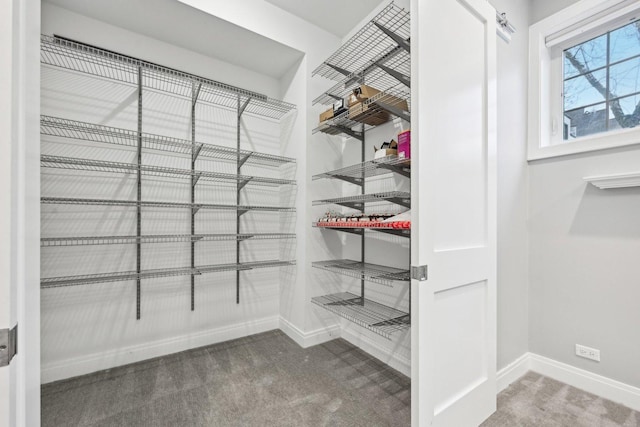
[142, 76]
[379, 56]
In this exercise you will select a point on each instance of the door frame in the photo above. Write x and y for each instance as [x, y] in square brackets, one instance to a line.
[20, 208]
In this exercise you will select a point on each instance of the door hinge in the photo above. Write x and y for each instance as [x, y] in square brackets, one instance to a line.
[419, 272]
[8, 345]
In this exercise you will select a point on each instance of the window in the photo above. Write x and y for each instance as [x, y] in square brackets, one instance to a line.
[601, 87]
[584, 79]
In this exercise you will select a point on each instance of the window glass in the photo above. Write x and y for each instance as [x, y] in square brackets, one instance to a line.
[624, 42]
[583, 90]
[602, 83]
[584, 57]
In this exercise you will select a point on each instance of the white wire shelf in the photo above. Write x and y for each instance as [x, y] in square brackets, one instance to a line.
[379, 318]
[375, 74]
[130, 168]
[369, 43]
[87, 279]
[356, 174]
[171, 205]
[160, 238]
[362, 270]
[374, 111]
[359, 227]
[64, 128]
[70, 55]
[401, 198]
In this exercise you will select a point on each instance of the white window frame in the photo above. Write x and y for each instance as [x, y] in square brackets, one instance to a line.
[547, 41]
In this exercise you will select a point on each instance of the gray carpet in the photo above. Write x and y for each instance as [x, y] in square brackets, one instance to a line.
[537, 401]
[268, 380]
[262, 380]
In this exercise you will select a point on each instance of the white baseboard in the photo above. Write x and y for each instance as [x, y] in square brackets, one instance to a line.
[109, 359]
[607, 388]
[613, 390]
[376, 350]
[514, 370]
[308, 339]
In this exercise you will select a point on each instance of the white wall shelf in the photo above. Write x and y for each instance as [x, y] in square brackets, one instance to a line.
[125, 138]
[363, 270]
[88, 279]
[402, 198]
[623, 180]
[379, 318]
[161, 205]
[79, 57]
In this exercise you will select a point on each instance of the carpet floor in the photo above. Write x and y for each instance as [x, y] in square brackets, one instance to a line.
[268, 380]
[538, 401]
[262, 380]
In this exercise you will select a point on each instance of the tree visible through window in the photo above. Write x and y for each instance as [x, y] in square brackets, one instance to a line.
[602, 83]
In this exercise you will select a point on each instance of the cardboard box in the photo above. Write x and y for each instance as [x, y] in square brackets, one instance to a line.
[365, 92]
[385, 152]
[326, 115]
[351, 100]
[386, 149]
[404, 144]
[369, 113]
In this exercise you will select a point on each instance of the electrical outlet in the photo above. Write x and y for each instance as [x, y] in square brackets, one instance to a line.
[588, 352]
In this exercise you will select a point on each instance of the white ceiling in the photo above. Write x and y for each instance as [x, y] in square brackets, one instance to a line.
[173, 22]
[335, 16]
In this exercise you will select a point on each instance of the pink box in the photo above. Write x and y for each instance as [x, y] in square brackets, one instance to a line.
[404, 144]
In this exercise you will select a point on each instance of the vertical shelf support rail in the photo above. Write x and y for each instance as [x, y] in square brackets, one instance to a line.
[362, 237]
[195, 150]
[139, 195]
[240, 186]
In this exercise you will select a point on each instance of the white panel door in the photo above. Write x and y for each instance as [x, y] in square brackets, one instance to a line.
[20, 208]
[453, 212]
[7, 285]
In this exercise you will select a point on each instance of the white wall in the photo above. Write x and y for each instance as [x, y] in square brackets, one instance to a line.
[584, 251]
[540, 9]
[512, 185]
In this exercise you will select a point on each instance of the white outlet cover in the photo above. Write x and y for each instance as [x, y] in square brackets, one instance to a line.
[588, 352]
